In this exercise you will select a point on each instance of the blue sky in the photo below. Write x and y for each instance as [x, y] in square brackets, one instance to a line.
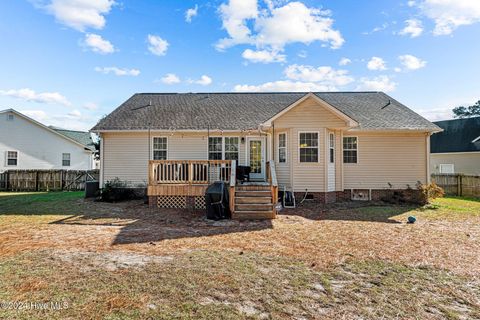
[69, 62]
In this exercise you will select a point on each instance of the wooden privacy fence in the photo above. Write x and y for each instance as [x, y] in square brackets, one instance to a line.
[458, 184]
[46, 180]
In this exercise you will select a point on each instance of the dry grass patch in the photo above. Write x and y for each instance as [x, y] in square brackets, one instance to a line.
[230, 285]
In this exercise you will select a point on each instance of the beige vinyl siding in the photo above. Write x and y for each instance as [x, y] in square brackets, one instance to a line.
[398, 159]
[338, 161]
[283, 169]
[126, 154]
[125, 157]
[308, 116]
[465, 163]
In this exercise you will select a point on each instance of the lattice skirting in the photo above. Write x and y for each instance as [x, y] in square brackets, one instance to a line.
[172, 201]
[200, 202]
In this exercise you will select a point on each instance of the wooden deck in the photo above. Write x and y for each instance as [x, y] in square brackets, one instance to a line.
[184, 182]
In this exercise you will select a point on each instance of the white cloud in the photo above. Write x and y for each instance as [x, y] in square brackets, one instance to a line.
[411, 62]
[90, 106]
[234, 16]
[411, 3]
[97, 44]
[380, 83]
[79, 14]
[275, 27]
[283, 86]
[75, 113]
[323, 75]
[170, 78]
[190, 13]
[344, 61]
[118, 71]
[73, 120]
[263, 56]
[448, 15]
[376, 63]
[203, 81]
[157, 45]
[303, 54]
[413, 28]
[41, 97]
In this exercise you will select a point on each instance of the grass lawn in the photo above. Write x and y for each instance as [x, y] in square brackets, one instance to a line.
[126, 261]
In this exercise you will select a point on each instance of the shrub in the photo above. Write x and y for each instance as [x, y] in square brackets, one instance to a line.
[117, 190]
[430, 191]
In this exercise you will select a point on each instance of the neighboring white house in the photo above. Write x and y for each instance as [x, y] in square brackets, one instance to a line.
[28, 144]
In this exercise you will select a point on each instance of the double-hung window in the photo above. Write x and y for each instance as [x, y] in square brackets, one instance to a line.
[223, 148]
[282, 148]
[12, 158]
[308, 146]
[231, 148]
[160, 148]
[66, 159]
[331, 144]
[350, 149]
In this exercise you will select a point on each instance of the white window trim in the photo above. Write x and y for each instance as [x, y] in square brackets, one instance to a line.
[286, 148]
[446, 164]
[69, 159]
[6, 158]
[152, 148]
[223, 146]
[318, 147]
[10, 117]
[331, 147]
[358, 151]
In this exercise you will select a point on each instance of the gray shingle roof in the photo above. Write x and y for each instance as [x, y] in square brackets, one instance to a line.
[457, 137]
[241, 111]
[81, 137]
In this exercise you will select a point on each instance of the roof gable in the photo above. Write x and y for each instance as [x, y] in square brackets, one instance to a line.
[44, 127]
[349, 121]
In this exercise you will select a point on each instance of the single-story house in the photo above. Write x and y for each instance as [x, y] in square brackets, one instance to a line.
[331, 145]
[27, 144]
[457, 148]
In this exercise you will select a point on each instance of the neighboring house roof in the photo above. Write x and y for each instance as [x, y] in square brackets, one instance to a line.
[85, 138]
[242, 111]
[459, 135]
[56, 131]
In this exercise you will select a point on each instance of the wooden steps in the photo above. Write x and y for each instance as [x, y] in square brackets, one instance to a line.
[253, 202]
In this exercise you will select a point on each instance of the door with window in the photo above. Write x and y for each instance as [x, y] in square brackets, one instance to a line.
[256, 157]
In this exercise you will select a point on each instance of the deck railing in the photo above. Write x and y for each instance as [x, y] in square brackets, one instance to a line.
[189, 171]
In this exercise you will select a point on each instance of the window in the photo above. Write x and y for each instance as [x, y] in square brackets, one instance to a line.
[231, 148]
[159, 148]
[12, 158]
[9, 117]
[66, 159]
[282, 148]
[223, 148]
[332, 147]
[447, 168]
[215, 148]
[350, 150]
[308, 146]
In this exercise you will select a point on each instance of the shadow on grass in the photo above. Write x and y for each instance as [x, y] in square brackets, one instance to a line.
[138, 222]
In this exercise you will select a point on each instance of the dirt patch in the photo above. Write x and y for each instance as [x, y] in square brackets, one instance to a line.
[110, 260]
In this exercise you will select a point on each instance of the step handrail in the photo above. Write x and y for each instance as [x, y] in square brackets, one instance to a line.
[272, 180]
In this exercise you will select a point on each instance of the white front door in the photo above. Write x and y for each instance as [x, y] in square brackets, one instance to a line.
[256, 157]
